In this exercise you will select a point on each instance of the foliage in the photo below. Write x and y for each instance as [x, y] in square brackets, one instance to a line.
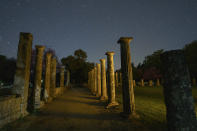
[7, 69]
[191, 57]
[78, 66]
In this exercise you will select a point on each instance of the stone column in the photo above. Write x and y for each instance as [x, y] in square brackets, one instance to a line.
[194, 82]
[120, 75]
[62, 69]
[179, 102]
[150, 83]
[98, 80]
[127, 78]
[158, 82]
[47, 76]
[134, 83]
[103, 81]
[95, 81]
[142, 82]
[22, 74]
[116, 79]
[111, 80]
[92, 81]
[67, 78]
[53, 77]
[38, 77]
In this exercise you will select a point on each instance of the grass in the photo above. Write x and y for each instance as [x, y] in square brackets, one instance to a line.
[151, 107]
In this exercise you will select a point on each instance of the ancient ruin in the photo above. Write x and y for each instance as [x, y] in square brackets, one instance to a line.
[111, 80]
[103, 81]
[177, 92]
[38, 77]
[98, 80]
[127, 78]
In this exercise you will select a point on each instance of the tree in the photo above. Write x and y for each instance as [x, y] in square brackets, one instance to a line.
[78, 66]
[7, 69]
[80, 54]
[191, 57]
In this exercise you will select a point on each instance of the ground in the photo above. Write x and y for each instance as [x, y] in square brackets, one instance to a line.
[77, 109]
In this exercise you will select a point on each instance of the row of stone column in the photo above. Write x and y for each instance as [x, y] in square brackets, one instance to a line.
[118, 81]
[127, 79]
[22, 75]
[177, 87]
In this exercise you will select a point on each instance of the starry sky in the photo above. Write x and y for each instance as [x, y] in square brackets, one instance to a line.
[96, 25]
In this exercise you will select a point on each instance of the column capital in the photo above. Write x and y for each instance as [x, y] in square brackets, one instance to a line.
[39, 47]
[101, 60]
[124, 40]
[110, 53]
[48, 54]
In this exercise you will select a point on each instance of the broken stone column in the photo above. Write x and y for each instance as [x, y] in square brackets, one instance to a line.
[38, 77]
[142, 82]
[53, 77]
[179, 102]
[22, 74]
[127, 78]
[98, 80]
[62, 68]
[111, 80]
[194, 82]
[103, 81]
[158, 82]
[47, 76]
[150, 83]
[134, 83]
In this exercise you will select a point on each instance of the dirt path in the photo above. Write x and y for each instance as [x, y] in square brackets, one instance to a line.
[77, 110]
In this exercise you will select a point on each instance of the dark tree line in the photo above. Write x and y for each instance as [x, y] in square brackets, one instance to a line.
[78, 66]
[7, 69]
[150, 69]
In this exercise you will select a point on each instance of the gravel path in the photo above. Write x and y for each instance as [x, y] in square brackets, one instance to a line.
[76, 110]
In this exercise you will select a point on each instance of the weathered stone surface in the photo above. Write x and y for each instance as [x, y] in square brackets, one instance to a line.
[10, 109]
[179, 102]
[134, 83]
[95, 81]
[120, 78]
[62, 69]
[22, 75]
[142, 82]
[98, 80]
[103, 81]
[151, 83]
[38, 77]
[67, 78]
[47, 76]
[127, 78]
[111, 80]
[116, 79]
[53, 77]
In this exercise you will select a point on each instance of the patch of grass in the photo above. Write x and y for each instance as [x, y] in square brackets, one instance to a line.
[150, 105]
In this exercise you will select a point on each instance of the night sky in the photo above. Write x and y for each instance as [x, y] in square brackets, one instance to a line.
[96, 25]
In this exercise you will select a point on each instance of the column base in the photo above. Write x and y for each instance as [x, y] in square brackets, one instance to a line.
[132, 115]
[103, 98]
[112, 104]
[97, 95]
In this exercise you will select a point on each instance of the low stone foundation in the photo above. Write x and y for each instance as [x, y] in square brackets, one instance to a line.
[10, 109]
